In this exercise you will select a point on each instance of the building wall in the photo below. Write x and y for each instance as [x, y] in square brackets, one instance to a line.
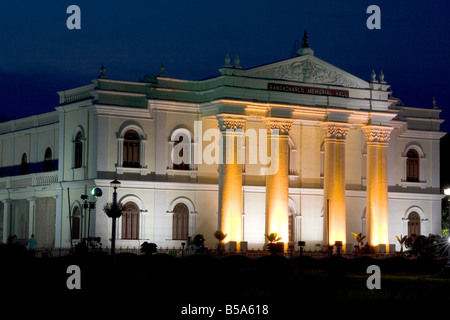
[46, 208]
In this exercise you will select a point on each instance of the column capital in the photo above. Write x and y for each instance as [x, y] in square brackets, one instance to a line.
[32, 199]
[335, 130]
[231, 122]
[283, 126]
[377, 133]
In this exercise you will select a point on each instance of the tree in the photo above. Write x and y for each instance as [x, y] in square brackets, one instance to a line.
[401, 240]
[359, 238]
[274, 246]
[422, 246]
[149, 248]
[219, 235]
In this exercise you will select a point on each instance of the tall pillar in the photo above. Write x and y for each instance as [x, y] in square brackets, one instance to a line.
[277, 181]
[230, 177]
[377, 138]
[334, 182]
[31, 215]
[6, 219]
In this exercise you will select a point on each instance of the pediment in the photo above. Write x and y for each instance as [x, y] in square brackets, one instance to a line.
[307, 69]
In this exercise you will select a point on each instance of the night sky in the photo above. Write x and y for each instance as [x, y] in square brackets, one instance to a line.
[40, 55]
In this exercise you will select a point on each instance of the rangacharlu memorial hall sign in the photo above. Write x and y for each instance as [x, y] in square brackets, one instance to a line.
[307, 90]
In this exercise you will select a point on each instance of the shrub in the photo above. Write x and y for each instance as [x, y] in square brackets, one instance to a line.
[149, 248]
[422, 246]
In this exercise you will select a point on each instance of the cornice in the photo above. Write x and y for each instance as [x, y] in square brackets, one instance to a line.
[421, 134]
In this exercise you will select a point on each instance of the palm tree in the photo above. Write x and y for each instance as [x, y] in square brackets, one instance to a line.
[359, 238]
[401, 240]
[272, 238]
[219, 235]
[273, 246]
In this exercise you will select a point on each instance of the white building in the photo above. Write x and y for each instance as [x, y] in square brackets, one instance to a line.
[352, 159]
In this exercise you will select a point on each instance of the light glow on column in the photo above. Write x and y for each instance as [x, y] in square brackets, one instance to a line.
[377, 187]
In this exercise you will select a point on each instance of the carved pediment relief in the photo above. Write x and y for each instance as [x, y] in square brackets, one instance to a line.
[307, 69]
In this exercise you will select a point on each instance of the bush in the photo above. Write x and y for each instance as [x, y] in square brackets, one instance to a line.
[422, 246]
[149, 248]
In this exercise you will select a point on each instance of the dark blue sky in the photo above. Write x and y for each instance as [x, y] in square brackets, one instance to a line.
[40, 56]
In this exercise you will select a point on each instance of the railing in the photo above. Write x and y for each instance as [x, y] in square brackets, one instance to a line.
[29, 180]
[176, 252]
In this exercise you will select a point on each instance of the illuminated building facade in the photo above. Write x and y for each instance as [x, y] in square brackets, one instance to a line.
[348, 156]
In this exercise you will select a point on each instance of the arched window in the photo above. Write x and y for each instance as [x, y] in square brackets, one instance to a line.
[48, 160]
[413, 223]
[180, 149]
[412, 166]
[180, 225]
[78, 151]
[181, 152]
[131, 152]
[24, 164]
[130, 221]
[76, 223]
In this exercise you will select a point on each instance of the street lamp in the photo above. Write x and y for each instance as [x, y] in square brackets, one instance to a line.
[113, 211]
[87, 205]
[96, 193]
[301, 244]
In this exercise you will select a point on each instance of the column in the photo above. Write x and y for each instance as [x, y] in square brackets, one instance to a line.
[6, 219]
[230, 177]
[31, 215]
[142, 156]
[120, 155]
[277, 182]
[377, 138]
[334, 182]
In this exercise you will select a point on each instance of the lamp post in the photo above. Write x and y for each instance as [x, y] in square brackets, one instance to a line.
[87, 205]
[301, 244]
[113, 211]
[97, 193]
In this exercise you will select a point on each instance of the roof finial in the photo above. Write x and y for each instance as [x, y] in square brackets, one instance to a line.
[227, 61]
[373, 76]
[305, 49]
[381, 77]
[305, 41]
[434, 103]
[102, 74]
[237, 62]
[162, 70]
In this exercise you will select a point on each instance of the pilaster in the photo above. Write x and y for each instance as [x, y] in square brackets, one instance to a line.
[377, 138]
[31, 215]
[6, 219]
[230, 176]
[277, 181]
[334, 182]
